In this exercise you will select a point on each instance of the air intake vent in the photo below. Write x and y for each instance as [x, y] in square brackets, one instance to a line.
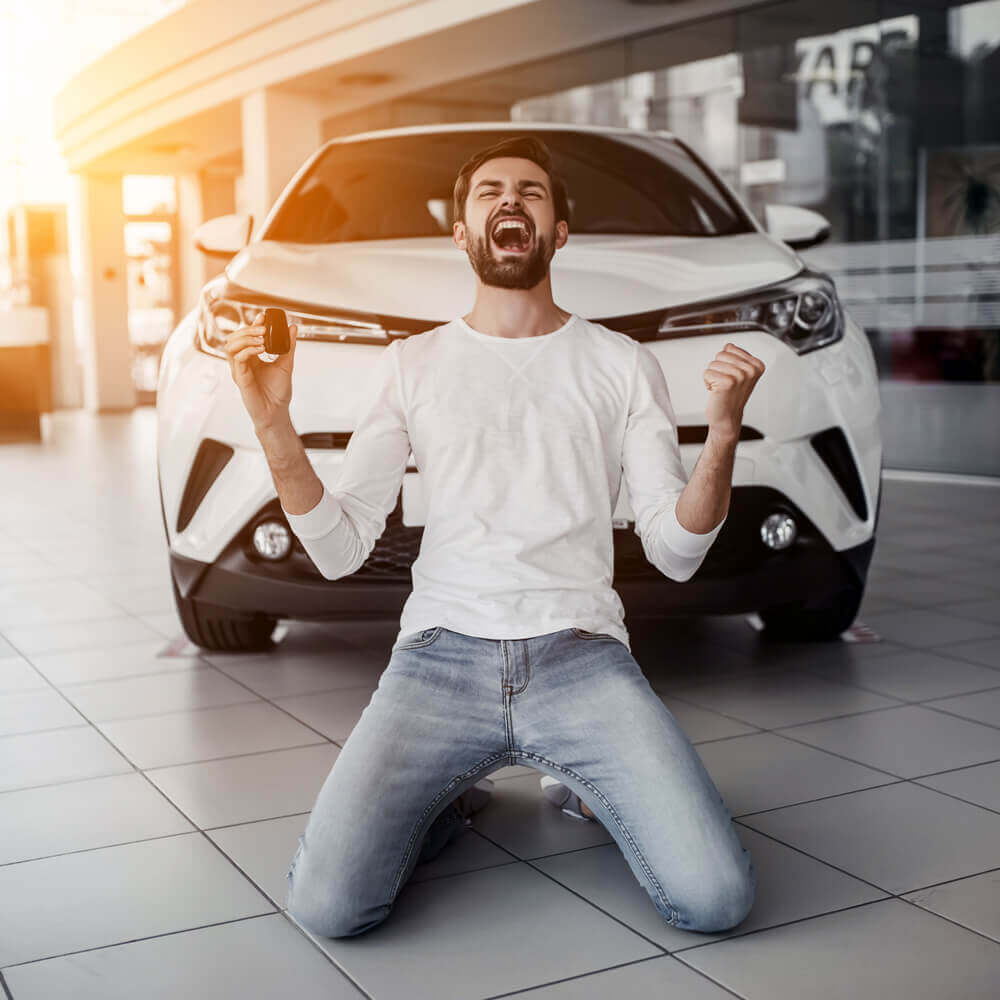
[832, 447]
[698, 434]
[208, 463]
[326, 439]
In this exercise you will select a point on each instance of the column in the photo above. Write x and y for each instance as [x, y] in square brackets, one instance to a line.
[100, 303]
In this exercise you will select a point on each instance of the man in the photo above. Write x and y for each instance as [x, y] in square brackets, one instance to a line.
[524, 421]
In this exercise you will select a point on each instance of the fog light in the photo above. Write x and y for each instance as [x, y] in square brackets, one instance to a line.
[778, 531]
[272, 540]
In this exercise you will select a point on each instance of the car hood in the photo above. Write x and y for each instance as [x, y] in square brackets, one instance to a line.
[594, 276]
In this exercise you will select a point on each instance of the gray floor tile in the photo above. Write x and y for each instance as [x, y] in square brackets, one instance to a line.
[919, 590]
[243, 789]
[186, 737]
[116, 894]
[333, 713]
[167, 623]
[6, 649]
[157, 694]
[467, 852]
[765, 771]
[486, 917]
[790, 886]
[984, 651]
[887, 949]
[35, 711]
[82, 815]
[783, 698]
[983, 706]
[899, 838]
[908, 741]
[263, 851]
[17, 674]
[980, 576]
[105, 663]
[927, 628]
[980, 610]
[522, 821]
[265, 957]
[927, 562]
[655, 977]
[57, 756]
[914, 675]
[124, 629]
[979, 784]
[971, 902]
[700, 724]
[288, 673]
[53, 602]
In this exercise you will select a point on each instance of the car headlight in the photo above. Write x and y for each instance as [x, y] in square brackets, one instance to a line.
[803, 312]
[220, 312]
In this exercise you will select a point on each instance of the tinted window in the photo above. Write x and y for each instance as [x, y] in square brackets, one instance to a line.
[401, 186]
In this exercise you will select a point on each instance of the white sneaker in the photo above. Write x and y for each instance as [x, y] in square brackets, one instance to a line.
[564, 797]
[473, 799]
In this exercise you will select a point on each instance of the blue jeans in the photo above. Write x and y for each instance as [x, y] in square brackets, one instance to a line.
[449, 709]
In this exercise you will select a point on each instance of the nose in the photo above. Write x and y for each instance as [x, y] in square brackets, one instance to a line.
[511, 200]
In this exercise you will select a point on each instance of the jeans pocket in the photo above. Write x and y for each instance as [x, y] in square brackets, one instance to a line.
[419, 639]
[584, 634]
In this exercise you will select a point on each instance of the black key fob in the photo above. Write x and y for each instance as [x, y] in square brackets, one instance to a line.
[276, 338]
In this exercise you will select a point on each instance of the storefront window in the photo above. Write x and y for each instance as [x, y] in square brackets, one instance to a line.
[882, 117]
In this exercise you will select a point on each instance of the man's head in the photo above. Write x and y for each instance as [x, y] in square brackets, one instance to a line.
[511, 212]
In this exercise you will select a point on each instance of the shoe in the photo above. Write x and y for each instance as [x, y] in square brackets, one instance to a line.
[473, 799]
[565, 798]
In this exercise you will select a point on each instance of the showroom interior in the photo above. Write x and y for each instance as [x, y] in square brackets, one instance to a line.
[152, 790]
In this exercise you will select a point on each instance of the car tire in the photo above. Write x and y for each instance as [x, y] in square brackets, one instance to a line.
[798, 622]
[221, 629]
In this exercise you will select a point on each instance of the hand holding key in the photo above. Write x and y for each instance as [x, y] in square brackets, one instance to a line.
[266, 386]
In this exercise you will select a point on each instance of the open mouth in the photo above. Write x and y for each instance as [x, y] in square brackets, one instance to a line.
[512, 235]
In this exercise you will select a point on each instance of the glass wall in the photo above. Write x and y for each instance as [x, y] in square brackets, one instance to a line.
[877, 114]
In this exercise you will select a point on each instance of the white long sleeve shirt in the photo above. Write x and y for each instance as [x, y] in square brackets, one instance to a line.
[522, 446]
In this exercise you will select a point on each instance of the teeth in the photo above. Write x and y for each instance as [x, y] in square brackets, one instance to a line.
[510, 224]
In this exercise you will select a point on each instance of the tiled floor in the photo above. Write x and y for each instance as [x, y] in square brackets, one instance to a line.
[150, 805]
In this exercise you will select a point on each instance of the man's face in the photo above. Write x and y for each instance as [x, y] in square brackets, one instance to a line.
[510, 231]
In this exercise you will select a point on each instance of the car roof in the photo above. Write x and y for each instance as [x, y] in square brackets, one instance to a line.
[497, 126]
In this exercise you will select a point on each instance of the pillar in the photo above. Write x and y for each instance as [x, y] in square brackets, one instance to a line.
[100, 301]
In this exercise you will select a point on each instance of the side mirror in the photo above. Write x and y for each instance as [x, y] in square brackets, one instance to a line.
[798, 227]
[224, 236]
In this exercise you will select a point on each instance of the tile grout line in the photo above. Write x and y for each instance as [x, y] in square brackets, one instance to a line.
[611, 968]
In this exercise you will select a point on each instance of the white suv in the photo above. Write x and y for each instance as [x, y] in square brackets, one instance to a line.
[358, 251]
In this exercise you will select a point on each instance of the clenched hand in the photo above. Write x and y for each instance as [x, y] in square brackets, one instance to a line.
[730, 378]
[266, 387]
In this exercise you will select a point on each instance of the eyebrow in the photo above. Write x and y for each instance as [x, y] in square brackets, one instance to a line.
[520, 184]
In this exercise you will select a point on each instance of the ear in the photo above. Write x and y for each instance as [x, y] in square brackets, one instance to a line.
[458, 235]
[562, 233]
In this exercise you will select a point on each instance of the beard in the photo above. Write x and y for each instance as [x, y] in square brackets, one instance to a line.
[523, 271]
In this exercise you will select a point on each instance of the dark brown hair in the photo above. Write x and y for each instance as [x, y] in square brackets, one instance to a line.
[526, 147]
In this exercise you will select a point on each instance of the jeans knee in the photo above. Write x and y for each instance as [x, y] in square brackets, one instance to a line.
[330, 917]
[331, 922]
[720, 905]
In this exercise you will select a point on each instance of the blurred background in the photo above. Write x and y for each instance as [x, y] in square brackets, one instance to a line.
[127, 124]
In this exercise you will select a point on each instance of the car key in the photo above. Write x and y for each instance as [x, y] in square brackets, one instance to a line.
[276, 339]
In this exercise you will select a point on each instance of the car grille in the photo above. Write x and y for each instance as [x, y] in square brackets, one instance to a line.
[738, 546]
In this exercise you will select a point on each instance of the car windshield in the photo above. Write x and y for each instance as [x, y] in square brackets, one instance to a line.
[401, 186]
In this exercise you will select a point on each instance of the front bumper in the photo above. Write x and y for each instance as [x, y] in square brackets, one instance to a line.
[739, 574]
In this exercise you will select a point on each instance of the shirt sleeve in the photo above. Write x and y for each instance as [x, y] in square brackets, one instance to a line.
[340, 532]
[654, 475]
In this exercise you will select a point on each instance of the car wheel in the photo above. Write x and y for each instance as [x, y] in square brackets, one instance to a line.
[799, 622]
[221, 629]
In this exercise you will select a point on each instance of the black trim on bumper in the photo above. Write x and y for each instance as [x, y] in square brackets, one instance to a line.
[739, 573]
